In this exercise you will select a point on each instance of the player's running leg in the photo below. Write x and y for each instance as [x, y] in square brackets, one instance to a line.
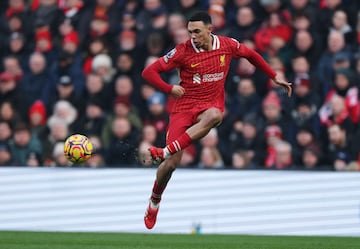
[163, 175]
[208, 119]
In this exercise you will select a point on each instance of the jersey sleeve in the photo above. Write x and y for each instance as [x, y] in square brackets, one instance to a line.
[240, 50]
[152, 73]
[173, 58]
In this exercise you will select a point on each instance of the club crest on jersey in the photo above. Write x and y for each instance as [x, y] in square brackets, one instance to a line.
[169, 55]
[222, 60]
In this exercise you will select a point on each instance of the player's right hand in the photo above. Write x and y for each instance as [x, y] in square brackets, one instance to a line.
[284, 84]
[177, 91]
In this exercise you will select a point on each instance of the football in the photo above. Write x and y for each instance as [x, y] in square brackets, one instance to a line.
[78, 148]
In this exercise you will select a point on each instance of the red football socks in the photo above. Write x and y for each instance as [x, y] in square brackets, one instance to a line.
[179, 144]
[157, 192]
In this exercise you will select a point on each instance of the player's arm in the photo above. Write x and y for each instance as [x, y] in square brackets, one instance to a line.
[152, 74]
[258, 61]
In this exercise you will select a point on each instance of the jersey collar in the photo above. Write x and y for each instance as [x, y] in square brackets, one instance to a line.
[215, 45]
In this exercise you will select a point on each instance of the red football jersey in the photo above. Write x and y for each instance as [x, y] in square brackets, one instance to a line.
[203, 73]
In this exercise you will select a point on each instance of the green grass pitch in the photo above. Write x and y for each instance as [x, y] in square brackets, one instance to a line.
[59, 240]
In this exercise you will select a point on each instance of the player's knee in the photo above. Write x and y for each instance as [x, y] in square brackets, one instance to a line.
[214, 116]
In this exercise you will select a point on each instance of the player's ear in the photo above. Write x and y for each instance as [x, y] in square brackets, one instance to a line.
[209, 27]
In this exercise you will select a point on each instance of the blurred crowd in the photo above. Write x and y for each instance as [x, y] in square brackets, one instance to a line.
[74, 66]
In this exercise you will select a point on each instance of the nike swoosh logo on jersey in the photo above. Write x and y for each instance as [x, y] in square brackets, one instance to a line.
[194, 64]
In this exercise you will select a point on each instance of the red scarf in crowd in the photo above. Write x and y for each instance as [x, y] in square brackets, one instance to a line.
[11, 11]
[35, 5]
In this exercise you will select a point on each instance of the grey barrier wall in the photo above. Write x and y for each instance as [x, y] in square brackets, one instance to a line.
[202, 201]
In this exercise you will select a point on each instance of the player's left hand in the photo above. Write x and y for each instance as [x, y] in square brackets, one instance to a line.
[284, 84]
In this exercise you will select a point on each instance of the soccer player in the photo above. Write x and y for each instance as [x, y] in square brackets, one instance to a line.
[203, 63]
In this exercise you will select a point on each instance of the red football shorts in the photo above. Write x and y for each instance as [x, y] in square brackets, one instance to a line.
[179, 122]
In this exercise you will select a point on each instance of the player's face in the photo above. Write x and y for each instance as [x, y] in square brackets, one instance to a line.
[200, 34]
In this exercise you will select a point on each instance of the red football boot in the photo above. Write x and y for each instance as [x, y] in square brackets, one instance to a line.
[150, 216]
[157, 154]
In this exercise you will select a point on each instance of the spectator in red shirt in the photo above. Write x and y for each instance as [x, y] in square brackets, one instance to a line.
[277, 26]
